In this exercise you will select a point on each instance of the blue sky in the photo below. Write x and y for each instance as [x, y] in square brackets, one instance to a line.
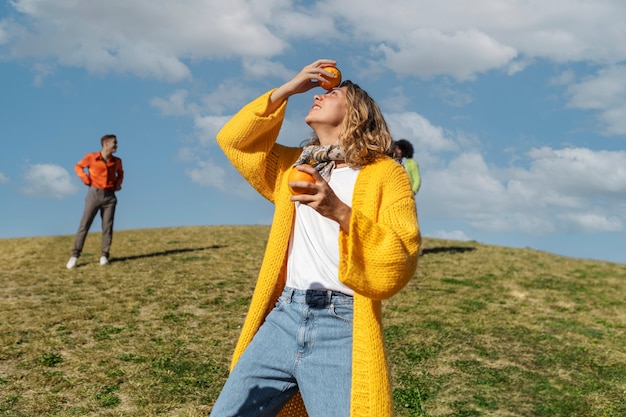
[516, 109]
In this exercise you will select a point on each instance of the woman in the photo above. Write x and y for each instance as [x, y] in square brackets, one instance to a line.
[312, 342]
[404, 155]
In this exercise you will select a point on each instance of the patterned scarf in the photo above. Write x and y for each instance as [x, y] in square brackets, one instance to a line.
[322, 158]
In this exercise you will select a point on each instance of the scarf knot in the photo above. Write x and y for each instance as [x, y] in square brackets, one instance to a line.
[322, 158]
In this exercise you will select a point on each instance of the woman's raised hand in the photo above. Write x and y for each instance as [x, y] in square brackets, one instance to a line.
[308, 78]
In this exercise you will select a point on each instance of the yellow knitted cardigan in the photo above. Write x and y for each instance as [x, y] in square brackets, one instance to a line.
[378, 255]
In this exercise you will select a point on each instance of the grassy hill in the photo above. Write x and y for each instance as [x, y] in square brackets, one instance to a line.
[480, 331]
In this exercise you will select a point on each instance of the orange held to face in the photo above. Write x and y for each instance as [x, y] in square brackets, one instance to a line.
[297, 175]
[331, 83]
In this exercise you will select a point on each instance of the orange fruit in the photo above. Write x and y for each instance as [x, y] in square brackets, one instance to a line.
[332, 82]
[297, 175]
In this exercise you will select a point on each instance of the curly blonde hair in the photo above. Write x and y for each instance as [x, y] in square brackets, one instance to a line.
[364, 135]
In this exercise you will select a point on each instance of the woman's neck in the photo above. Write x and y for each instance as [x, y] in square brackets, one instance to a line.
[327, 135]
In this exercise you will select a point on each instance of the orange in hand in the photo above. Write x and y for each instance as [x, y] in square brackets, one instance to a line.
[297, 175]
[332, 82]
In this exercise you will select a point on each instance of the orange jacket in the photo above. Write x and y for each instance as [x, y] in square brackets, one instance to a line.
[105, 175]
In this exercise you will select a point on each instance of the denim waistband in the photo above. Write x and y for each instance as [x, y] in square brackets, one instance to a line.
[316, 298]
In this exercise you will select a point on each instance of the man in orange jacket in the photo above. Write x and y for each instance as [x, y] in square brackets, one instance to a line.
[104, 177]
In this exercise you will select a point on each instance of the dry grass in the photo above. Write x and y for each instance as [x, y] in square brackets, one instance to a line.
[481, 330]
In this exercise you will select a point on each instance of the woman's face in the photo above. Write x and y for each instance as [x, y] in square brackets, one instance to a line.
[327, 113]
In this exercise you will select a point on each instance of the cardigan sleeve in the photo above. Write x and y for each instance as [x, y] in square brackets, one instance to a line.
[380, 250]
[249, 141]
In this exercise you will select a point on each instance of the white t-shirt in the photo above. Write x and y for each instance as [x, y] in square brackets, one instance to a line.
[314, 247]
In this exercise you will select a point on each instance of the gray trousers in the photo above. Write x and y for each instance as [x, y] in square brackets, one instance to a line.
[105, 202]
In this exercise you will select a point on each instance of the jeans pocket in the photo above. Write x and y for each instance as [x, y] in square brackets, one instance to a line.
[280, 303]
[344, 312]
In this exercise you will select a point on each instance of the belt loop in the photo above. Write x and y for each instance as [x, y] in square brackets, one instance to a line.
[329, 295]
[291, 292]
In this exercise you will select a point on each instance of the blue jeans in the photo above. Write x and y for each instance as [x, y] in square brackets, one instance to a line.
[304, 344]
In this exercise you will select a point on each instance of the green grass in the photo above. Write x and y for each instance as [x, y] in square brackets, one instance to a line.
[480, 331]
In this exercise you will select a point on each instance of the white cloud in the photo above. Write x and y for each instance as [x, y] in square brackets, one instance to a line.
[606, 93]
[229, 95]
[567, 31]
[174, 105]
[614, 120]
[160, 39]
[294, 131]
[420, 132]
[560, 190]
[466, 185]
[592, 222]
[260, 68]
[578, 171]
[482, 35]
[450, 235]
[151, 39]
[564, 78]
[519, 65]
[297, 21]
[48, 181]
[209, 174]
[416, 37]
[456, 97]
[208, 127]
[3, 178]
[396, 101]
[429, 52]
[4, 32]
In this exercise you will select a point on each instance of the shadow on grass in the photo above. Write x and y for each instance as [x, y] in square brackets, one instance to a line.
[447, 249]
[261, 401]
[164, 253]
